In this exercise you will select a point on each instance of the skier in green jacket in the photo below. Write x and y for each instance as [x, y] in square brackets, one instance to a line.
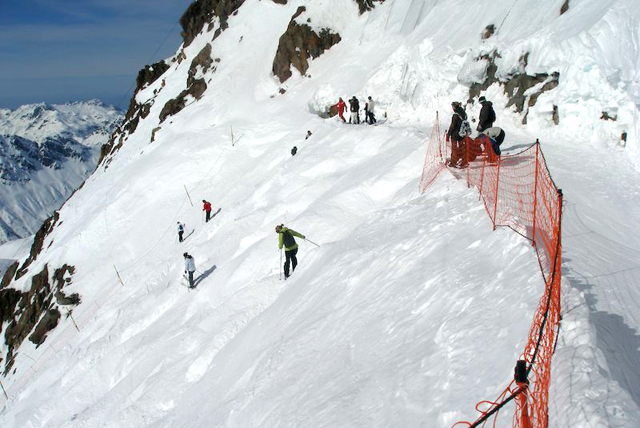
[286, 240]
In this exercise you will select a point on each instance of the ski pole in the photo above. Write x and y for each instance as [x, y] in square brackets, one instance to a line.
[280, 265]
[309, 240]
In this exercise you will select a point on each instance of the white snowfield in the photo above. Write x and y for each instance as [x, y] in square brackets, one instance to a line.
[413, 309]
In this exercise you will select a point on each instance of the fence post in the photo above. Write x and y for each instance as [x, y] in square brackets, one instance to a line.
[535, 194]
[467, 147]
[495, 206]
[437, 132]
[484, 162]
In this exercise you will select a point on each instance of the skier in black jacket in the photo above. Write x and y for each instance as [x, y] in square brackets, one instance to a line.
[453, 135]
[354, 107]
[487, 115]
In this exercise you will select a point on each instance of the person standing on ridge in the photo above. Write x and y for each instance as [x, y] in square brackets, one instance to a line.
[180, 231]
[286, 240]
[342, 107]
[487, 115]
[354, 108]
[368, 111]
[207, 208]
[453, 135]
[189, 267]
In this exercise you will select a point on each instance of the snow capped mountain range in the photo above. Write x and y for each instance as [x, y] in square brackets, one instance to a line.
[411, 309]
[46, 152]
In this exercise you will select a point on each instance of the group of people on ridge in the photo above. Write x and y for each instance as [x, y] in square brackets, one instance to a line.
[354, 109]
[465, 149]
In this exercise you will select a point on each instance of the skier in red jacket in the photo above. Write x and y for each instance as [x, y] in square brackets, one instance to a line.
[207, 209]
[342, 107]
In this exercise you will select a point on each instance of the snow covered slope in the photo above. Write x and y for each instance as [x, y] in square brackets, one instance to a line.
[412, 309]
[46, 152]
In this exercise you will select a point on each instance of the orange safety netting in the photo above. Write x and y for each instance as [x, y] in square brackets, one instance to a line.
[518, 192]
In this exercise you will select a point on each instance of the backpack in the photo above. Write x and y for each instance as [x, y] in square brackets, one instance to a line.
[465, 127]
[492, 115]
[287, 239]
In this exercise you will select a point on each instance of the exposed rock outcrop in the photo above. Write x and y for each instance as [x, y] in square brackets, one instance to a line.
[35, 313]
[38, 242]
[298, 44]
[8, 275]
[202, 12]
[522, 89]
[136, 111]
[366, 5]
[174, 105]
[200, 64]
[150, 73]
[606, 116]
[488, 31]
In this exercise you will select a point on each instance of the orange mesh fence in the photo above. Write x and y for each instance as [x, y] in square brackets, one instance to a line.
[518, 192]
[434, 159]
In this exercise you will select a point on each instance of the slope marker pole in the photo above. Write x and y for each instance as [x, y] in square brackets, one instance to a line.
[188, 195]
[4, 390]
[118, 273]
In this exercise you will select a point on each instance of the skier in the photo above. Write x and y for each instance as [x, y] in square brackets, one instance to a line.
[487, 115]
[342, 107]
[354, 107]
[368, 111]
[453, 135]
[309, 133]
[190, 267]
[285, 238]
[207, 208]
[180, 231]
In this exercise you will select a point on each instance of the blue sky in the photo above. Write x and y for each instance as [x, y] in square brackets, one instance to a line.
[72, 50]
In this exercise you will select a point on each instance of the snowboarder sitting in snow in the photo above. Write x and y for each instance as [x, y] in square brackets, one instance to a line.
[487, 115]
[207, 208]
[496, 137]
[190, 267]
[285, 238]
[180, 231]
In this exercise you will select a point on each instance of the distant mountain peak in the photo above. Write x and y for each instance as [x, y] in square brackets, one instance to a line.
[46, 151]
